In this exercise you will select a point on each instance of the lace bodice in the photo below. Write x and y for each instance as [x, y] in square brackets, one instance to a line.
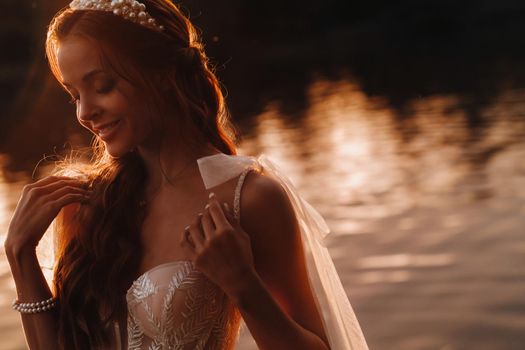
[175, 306]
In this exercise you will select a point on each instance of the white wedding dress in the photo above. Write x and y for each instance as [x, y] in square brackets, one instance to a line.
[174, 306]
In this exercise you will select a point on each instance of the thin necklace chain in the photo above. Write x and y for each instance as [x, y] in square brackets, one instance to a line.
[143, 202]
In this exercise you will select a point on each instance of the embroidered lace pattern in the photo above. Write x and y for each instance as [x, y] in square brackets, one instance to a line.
[186, 311]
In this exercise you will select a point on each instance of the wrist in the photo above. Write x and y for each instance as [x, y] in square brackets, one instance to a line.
[246, 288]
[16, 251]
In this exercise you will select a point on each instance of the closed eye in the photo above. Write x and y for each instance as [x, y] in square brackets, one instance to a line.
[106, 87]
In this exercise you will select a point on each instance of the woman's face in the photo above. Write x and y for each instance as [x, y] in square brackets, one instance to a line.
[107, 105]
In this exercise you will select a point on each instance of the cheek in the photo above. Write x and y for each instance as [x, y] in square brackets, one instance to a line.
[138, 118]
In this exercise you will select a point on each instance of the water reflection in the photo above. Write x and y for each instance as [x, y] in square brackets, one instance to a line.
[427, 212]
[402, 260]
[427, 219]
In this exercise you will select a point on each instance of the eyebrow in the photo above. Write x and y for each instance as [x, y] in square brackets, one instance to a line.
[86, 77]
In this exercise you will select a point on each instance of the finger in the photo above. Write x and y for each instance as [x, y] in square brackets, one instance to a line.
[65, 190]
[52, 179]
[228, 213]
[186, 238]
[39, 190]
[226, 208]
[197, 237]
[207, 225]
[216, 212]
[37, 187]
[63, 183]
[66, 199]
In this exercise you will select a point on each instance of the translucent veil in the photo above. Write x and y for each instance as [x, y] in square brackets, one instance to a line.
[340, 323]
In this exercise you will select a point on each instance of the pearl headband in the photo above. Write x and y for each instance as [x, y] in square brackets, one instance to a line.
[131, 10]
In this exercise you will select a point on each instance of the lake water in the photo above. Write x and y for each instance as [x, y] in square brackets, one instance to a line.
[427, 212]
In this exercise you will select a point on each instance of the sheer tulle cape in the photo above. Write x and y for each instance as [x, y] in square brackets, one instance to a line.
[340, 323]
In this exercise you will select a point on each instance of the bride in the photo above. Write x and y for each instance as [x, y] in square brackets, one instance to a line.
[166, 238]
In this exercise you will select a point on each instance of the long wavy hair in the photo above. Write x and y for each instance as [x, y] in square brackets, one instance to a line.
[178, 81]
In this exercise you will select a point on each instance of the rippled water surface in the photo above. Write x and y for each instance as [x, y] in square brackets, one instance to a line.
[427, 212]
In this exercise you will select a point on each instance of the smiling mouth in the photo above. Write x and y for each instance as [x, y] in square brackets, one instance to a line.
[107, 129]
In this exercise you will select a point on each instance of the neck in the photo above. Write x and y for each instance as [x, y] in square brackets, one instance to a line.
[172, 164]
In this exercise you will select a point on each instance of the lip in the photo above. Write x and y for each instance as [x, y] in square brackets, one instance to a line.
[107, 134]
[97, 128]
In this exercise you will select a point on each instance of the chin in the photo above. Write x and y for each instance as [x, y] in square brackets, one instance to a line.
[117, 151]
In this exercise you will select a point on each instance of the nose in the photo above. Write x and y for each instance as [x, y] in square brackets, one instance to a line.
[87, 110]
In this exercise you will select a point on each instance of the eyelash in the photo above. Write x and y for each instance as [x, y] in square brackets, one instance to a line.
[105, 89]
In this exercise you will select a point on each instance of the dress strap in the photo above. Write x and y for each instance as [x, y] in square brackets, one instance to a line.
[237, 195]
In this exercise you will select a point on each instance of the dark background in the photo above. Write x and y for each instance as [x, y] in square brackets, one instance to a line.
[271, 50]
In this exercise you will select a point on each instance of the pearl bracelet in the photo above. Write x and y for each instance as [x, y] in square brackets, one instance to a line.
[37, 306]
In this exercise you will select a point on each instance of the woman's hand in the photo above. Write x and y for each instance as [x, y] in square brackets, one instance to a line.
[221, 248]
[38, 205]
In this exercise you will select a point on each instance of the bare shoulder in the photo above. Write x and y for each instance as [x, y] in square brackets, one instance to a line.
[262, 191]
[268, 217]
[264, 201]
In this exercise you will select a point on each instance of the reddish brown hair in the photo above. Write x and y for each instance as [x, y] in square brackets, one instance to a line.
[172, 69]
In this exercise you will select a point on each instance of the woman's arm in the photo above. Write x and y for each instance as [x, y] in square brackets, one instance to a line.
[263, 272]
[39, 328]
[276, 301]
[38, 206]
